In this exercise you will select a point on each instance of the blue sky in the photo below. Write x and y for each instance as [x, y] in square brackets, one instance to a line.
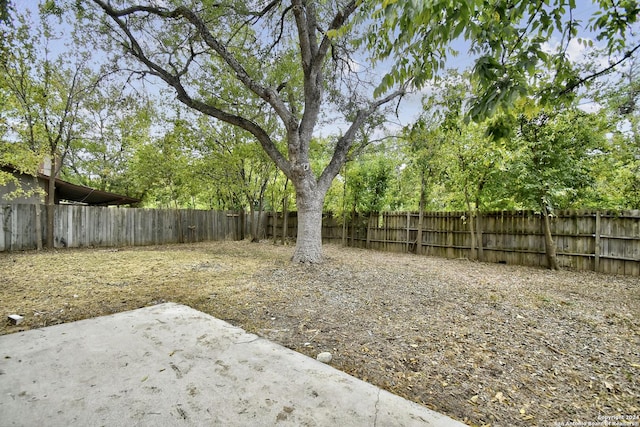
[410, 107]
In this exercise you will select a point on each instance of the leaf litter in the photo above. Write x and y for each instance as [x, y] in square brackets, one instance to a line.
[487, 344]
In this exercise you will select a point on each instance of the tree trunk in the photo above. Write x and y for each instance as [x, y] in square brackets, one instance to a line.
[344, 209]
[242, 226]
[344, 228]
[472, 233]
[252, 215]
[353, 226]
[179, 225]
[274, 225]
[309, 239]
[274, 214]
[479, 222]
[257, 220]
[38, 222]
[549, 244]
[421, 214]
[285, 218]
[479, 234]
[471, 223]
[369, 227]
[51, 196]
[255, 225]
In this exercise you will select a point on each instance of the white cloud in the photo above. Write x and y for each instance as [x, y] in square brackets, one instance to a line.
[590, 107]
[576, 51]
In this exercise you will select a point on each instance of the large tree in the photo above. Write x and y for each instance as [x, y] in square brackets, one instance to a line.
[287, 58]
[116, 124]
[551, 155]
[293, 58]
[44, 93]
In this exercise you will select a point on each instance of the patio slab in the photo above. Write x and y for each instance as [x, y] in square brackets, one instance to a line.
[171, 365]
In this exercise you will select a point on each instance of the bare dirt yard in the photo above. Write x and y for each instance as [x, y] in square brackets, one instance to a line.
[486, 344]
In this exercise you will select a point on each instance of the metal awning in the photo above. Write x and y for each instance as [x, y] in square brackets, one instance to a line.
[77, 193]
[90, 196]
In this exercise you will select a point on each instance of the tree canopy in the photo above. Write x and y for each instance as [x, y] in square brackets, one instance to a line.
[511, 43]
[276, 59]
[285, 93]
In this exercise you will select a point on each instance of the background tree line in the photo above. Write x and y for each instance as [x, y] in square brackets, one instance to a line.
[491, 137]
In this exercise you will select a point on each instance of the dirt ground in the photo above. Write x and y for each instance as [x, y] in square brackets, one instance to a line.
[486, 344]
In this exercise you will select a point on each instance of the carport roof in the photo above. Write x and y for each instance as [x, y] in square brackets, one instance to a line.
[81, 194]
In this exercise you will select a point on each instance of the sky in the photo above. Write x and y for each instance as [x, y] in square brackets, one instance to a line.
[410, 107]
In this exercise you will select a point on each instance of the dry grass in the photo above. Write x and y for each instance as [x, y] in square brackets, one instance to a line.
[486, 344]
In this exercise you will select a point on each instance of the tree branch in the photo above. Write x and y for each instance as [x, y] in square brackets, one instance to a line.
[312, 65]
[266, 93]
[183, 96]
[303, 34]
[337, 22]
[346, 141]
[570, 87]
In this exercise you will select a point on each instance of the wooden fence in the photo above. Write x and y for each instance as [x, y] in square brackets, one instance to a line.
[86, 226]
[603, 241]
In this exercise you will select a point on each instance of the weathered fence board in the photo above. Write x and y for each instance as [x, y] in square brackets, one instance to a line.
[602, 241]
[87, 226]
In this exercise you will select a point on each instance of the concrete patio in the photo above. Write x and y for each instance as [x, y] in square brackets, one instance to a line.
[169, 365]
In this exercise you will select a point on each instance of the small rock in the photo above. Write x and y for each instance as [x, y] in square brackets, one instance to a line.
[324, 357]
[15, 319]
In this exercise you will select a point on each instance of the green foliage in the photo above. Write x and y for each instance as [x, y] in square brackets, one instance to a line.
[507, 39]
[367, 184]
[551, 158]
[43, 91]
[564, 158]
[228, 169]
[618, 166]
[528, 143]
[5, 8]
[116, 124]
[25, 161]
[424, 165]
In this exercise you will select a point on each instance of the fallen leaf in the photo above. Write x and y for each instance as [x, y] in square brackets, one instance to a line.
[498, 397]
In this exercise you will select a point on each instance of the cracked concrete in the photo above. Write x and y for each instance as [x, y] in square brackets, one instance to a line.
[172, 365]
[375, 419]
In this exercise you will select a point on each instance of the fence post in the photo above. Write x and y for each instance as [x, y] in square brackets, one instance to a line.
[387, 230]
[242, 225]
[2, 224]
[70, 235]
[479, 226]
[408, 231]
[597, 243]
[368, 244]
[419, 232]
[271, 224]
[13, 245]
